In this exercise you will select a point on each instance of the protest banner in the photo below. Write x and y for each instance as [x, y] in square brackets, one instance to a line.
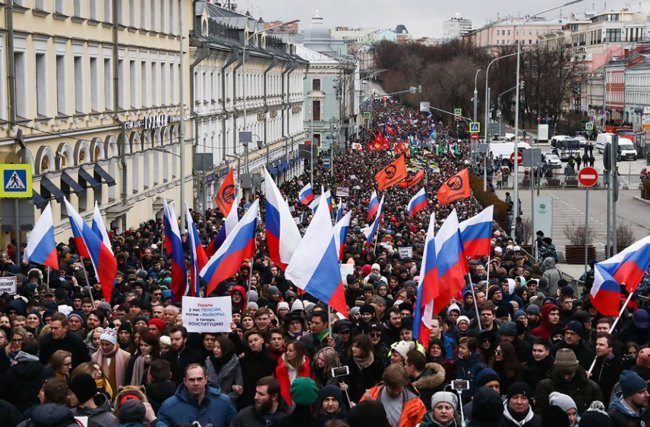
[207, 314]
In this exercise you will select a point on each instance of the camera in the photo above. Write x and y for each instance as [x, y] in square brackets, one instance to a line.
[460, 385]
[340, 371]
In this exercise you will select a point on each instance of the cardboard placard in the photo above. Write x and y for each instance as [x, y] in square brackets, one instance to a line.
[207, 314]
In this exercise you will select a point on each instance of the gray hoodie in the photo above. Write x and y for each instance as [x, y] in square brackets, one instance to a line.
[101, 416]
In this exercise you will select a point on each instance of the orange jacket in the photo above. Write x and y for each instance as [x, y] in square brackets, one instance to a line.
[413, 411]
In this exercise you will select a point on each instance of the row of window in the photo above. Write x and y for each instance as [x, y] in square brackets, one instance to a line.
[521, 32]
[84, 84]
[155, 15]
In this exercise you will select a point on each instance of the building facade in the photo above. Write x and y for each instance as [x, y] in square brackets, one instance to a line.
[262, 95]
[455, 27]
[96, 104]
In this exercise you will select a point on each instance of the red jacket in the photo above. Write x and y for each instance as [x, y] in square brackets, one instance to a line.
[282, 374]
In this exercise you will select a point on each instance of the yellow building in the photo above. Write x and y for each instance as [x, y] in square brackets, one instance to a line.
[96, 106]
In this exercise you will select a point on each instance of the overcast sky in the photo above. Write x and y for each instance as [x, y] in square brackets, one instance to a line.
[421, 17]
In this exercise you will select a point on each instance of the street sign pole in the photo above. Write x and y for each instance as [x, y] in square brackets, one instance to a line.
[586, 227]
[588, 177]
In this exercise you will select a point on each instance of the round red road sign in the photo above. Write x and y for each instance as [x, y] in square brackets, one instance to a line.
[520, 158]
[474, 136]
[588, 177]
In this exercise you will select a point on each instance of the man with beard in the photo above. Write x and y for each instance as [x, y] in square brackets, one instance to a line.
[180, 356]
[268, 405]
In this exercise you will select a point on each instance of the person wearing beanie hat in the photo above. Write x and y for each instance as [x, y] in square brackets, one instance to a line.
[566, 404]
[156, 327]
[485, 378]
[567, 377]
[487, 408]
[113, 360]
[637, 330]
[330, 405]
[518, 410]
[304, 393]
[462, 324]
[572, 339]
[553, 416]
[196, 400]
[595, 416]
[85, 402]
[399, 350]
[134, 413]
[405, 407]
[628, 407]
[444, 405]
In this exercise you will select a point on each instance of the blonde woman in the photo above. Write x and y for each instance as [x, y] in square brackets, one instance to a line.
[61, 364]
[95, 371]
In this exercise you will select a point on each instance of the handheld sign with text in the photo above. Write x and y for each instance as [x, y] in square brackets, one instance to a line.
[207, 314]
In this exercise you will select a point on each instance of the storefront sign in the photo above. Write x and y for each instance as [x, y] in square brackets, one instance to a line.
[155, 121]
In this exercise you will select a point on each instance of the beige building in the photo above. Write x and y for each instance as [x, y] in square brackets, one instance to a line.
[96, 103]
[507, 32]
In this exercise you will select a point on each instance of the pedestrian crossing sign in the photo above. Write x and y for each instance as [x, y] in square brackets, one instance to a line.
[16, 180]
[474, 127]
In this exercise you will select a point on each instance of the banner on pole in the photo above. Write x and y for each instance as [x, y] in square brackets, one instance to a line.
[207, 314]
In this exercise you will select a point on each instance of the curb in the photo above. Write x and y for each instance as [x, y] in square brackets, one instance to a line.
[647, 202]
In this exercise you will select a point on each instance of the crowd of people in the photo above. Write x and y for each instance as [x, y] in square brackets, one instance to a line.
[517, 347]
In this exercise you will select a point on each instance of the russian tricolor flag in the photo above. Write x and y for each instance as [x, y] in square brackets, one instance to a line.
[98, 227]
[372, 229]
[101, 257]
[227, 226]
[198, 258]
[476, 233]
[174, 248]
[339, 211]
[627, 267]
[417, 203]
[372, 206]
[451, 262]
[239, 245]
[328, 197]
[341, 233]
[282, 234]
[428, 288]
[306, 194]
[314, 267]
[41, 244]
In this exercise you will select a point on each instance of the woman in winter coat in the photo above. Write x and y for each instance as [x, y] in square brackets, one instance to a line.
[291, 365]
[224, 370]
[443, 411]
[468, 364]
[365, 370]
[505, 363]
[321, 367]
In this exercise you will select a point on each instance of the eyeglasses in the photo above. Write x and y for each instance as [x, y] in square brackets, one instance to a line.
[374, 335]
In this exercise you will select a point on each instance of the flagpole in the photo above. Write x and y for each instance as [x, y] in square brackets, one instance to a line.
[90, 289]
[469, 277]
[48, 277]
[487, 278]
[611, 328]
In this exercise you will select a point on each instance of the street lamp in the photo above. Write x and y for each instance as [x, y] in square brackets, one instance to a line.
[515, 207]
[475, 117]
[487, 113]
[246, 39]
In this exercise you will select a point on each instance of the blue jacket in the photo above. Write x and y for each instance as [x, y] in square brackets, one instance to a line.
[216, 409]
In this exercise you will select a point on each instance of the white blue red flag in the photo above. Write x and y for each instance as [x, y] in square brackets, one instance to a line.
[306, 194]
[451, 262]
[370, 231]
[174, 247]
[417, 203]
[41, 244]
[198, 258]
[627, 267]
[339, 211]
[102, 259]
[282, 234]
[227, 226]
[341, 233]
[239, 245]
[428, 288]
[98, 227]
[328, 197]
[314, 267]
[476, 233]
[372, 206]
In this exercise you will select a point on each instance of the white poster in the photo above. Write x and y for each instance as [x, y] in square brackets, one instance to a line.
[345, 270]
[405, 252]
[207, 314]
[342, 191]
[425, 107]
[544, 216]
[542, 132]
[8, 285]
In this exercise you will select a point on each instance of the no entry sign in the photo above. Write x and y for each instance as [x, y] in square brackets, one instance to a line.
[588, 177]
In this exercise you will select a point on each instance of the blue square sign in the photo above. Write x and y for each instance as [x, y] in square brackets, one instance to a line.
[16, 180]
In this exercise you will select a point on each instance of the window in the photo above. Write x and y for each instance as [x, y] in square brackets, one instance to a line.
[78, 85]
[143, 84]
[315, 84]
[154, 85]
[94, 85]
[132, 13]
[60, 85]
[39, 4]
[133, 84]
[143, 14]
[152, 25]
[173, 83]
[172, 28]
[315, 114]
[163, 17]
[41, 85]
[108, 85]
[77, 8]
[59, 6]
[165, 83]
[120, 84]
[21, 84]
[119, 12]
[108, 12]
[92, 9]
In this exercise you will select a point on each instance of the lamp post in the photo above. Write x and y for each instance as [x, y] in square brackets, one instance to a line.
[246, 39]
[515, 207]
[487, 113]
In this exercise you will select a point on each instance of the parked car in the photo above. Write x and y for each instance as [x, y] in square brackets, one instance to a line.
[552, 161]
[557, 138]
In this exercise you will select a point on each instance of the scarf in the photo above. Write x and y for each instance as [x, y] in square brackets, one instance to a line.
[217, 374]
[117, 363]
[138, 370]
[364, 362]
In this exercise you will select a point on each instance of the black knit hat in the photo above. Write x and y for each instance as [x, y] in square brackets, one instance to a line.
[368, 413]
[486, 405]
[520, 387]
[84, 387]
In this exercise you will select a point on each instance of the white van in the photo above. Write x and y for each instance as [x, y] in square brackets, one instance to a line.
[626, 148]
[505, 149]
